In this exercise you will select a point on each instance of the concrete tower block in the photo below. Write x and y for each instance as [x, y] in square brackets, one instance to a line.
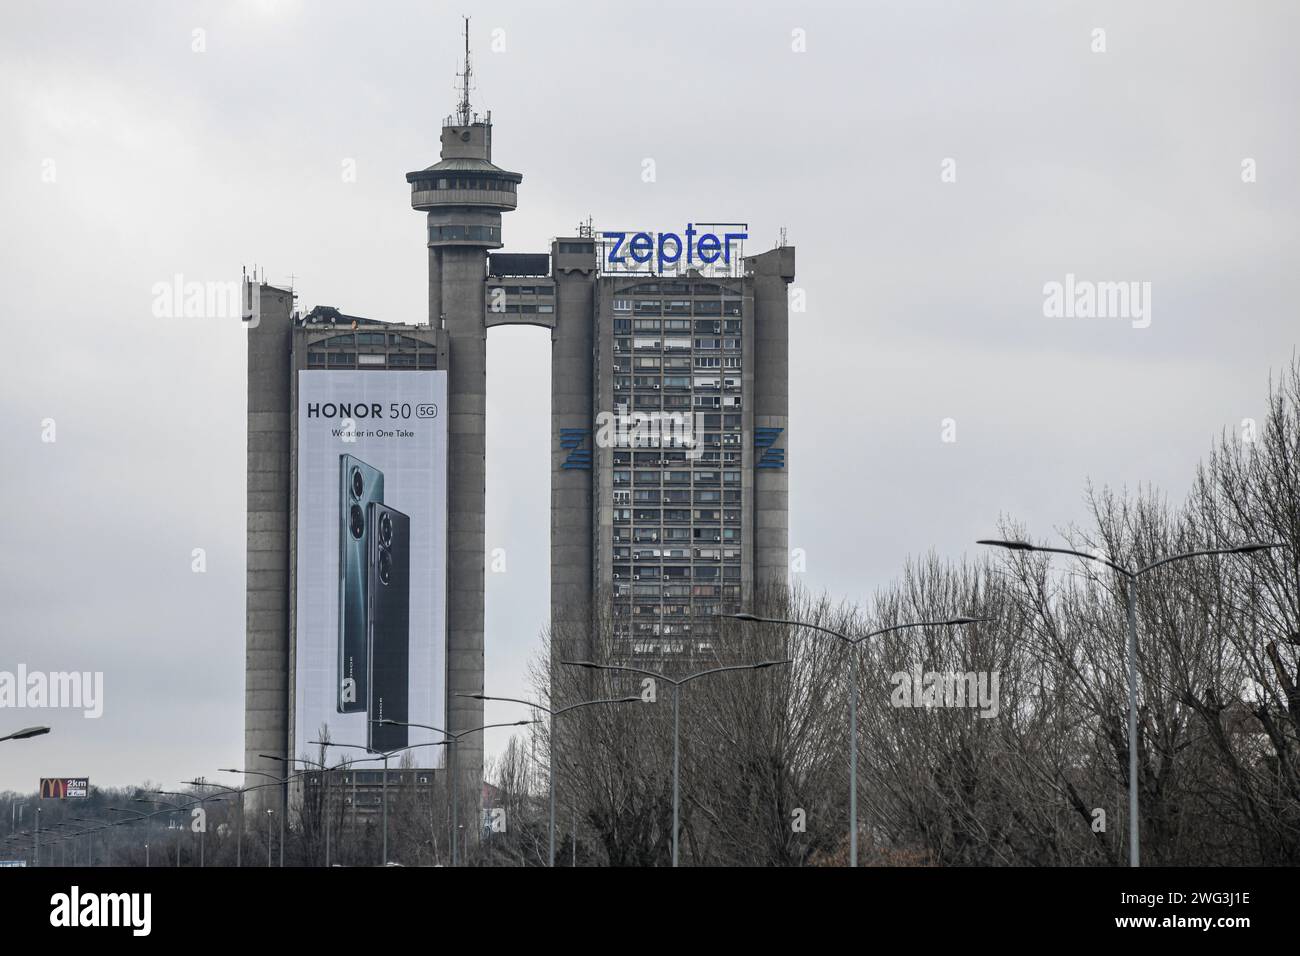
[772, 272]
[266, 661]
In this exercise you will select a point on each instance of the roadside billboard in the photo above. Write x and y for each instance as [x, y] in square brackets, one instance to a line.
[63, 788]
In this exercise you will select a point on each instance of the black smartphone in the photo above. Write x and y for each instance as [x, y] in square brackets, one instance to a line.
[360, 485]
[389, 596]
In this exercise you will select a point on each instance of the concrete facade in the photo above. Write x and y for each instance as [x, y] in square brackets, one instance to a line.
[572, 415]
[771, 274]
[266, 660]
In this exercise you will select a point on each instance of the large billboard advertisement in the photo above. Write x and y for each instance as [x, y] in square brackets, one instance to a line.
[371, 563]
[63, 788]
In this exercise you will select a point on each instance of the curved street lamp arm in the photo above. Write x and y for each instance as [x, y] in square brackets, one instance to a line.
[780, 620]
[293, 760]
[1026, 546]
[591, 665]
[1239, 549]
[948, 622]
[733, 667]
[589, 703]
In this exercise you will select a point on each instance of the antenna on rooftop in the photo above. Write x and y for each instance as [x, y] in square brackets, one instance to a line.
[462, 109]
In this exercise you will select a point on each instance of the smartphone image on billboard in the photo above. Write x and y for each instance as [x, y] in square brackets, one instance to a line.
[360, 485]
[389, 596]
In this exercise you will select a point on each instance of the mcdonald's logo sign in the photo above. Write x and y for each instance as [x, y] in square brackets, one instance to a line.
[62, 788]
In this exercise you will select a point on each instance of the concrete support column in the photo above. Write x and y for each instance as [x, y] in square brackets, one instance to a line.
[267, 624]
[572, 417]
[460, 274]
[772, 272]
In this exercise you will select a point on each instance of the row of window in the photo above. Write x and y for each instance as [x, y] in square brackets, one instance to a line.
[672, 343]
[677, 287]
[656, 400]
[692, 591]
[676, 515]
[370, 338]
[681, 497]
[654, 535]
[684, 363]
[684, 572]
[676, 477]
[372, 360]
[658, 458]
[542, 290]
[680, 306]
[705, 326]
[652, 382]
[517, 308]
[705, 442]
[624, 553]
[466, 182]
[455, 232]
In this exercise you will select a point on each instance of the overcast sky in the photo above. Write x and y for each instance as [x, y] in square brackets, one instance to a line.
[128, 157]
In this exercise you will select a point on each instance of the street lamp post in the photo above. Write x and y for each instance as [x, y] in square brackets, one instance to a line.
[203, 808]
[677, 683]
[553, 714]
[170, 806]
[239, 842]
[283, 780]
[451, 742]
[138, 817]
[1131, 579]
[384, 757]
[854, 642]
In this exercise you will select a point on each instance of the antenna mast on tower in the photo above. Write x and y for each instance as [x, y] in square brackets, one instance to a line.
[462, 110]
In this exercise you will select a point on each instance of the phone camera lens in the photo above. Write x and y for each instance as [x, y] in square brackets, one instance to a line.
[357, 521]
[385, 566]
[385, 530]
[358, 483]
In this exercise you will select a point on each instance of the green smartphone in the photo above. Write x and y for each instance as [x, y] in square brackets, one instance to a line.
[360, 485]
